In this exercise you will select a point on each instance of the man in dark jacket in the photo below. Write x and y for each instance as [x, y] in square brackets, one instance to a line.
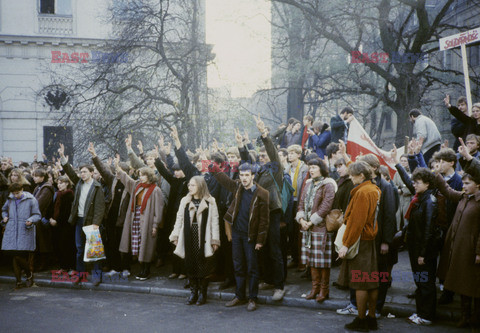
[115, 217]
[246, 225]
[270, 177]
[447, 162]
[340, 124]
[88, 209]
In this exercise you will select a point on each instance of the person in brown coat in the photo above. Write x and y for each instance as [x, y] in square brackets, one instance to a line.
[63, 234]
[43, 192]
[315, 203]
[246, 225]
[144, 217]
[460, 260]
[360, 223]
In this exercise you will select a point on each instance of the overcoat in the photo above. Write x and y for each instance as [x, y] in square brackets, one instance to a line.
[18, 236]
[462, 243]
[151, 218]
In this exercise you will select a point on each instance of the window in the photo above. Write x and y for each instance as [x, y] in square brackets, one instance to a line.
[59, 7]
[47, 6]
[388, 121]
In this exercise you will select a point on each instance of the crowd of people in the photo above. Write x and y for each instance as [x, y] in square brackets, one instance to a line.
[249, 212]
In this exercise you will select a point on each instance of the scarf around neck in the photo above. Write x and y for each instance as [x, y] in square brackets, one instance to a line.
[150, 188]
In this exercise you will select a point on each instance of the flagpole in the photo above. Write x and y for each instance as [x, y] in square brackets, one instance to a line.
[466, 77]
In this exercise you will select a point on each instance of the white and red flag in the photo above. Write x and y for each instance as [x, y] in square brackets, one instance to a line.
[360, 143]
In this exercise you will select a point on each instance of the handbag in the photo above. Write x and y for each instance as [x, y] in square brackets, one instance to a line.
[353, 250]
[334, 220]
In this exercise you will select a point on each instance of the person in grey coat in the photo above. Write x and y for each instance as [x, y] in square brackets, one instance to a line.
[20, 213]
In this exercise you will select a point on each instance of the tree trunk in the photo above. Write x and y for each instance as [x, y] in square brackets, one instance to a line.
[295, 100]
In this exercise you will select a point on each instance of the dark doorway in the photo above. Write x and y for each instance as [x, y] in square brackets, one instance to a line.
[53, 136]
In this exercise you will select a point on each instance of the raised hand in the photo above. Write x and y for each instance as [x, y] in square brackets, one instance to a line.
[161, 141]
[446, 100]
[44, 157]
[444, 144]
[175, 138]
[61, 150]
[464, 151]
[109, 161]
[140, 146]
[128, 141]
[245, 136]
[260, 125]
[394, 154]
[417, 146]
[238, 137]
[411, 147]
[91, 149]
[116, 162]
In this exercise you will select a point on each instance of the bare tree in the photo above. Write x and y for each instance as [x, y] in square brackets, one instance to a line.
[406, 27]
[152, 74]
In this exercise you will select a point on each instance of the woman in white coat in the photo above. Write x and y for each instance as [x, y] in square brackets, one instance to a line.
[196, 237]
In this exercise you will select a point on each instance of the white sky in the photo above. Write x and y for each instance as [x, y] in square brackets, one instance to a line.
[239, 31]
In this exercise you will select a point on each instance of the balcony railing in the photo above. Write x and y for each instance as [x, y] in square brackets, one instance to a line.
[55, 25]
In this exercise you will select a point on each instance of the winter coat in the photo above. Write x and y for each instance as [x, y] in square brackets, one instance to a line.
[264, 176]
[94, 204]
[342, 197]
[421, 233]
[471, 125]
[212, 232]
[62, 206]
[322, 204]
[191, 170]
[462, 243]
[302, 174]
[259, 213]
[360, 214]
[318, 143]
[338, 127]
[18, 236]
[387, 223]
[137, 163]
[178, 189]
[44, 194]
[293, 138]
[152, 217]
[112, 181]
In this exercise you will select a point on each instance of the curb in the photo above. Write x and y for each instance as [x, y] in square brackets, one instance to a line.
[399, 310]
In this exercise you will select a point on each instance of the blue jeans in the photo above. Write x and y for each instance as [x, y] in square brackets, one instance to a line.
[244, 253]
[274, 272]
[80, 244]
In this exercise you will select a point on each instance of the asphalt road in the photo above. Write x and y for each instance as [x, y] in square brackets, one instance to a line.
[67, 310]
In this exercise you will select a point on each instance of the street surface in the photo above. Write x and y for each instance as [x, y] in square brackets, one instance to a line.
[67, 310]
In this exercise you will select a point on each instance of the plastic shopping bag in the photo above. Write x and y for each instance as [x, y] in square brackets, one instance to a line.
[94, 249]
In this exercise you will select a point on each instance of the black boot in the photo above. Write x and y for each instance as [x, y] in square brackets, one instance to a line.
[194, 292]
[466, 304]
[202, 297]
[475, 319]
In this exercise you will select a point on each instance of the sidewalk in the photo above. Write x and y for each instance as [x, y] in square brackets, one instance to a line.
[397, 302]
